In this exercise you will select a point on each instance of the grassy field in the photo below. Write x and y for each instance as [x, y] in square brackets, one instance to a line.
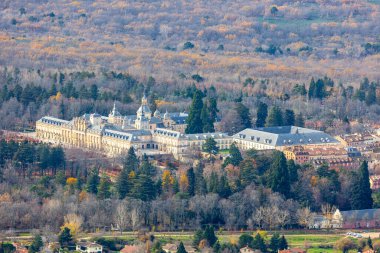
[316, 242]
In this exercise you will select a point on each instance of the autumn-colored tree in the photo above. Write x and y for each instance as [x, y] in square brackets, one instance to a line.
[73, 222]
[183, 183]
[71, 182]
[167, 182]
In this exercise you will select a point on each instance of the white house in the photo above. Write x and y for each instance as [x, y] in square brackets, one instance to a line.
[89, 247]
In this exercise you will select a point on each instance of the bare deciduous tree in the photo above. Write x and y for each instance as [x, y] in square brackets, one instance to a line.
[121, 217]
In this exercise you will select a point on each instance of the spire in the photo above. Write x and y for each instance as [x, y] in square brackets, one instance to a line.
[114, 108]
[166, 115]
[144, 100]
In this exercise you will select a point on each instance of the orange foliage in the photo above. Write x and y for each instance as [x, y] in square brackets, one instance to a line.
[83, 196]
[5, 197]
[183, 182]
[71, 181]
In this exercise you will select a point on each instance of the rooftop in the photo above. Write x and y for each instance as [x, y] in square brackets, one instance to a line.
[285, 136]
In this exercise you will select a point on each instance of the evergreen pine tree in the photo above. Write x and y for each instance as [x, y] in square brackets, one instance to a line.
[131, 163]
[235, 156]
[181, 248]
[53, 90]
[369, 242]
[122, 184]
[210, 236]
[274, 242]
[65, 239]
[216, 248]
[213, 183]
[279, 176]
[245, 240]
[200, 182]
[361, 195]
[36, 244]
[191, 177]
[224, 189]
[244, 115]
[293, 171]
[247, 172]
[213, 109]
[198, 237]
[262, 114]
[320, 91]
[144, 188]
[274, 117]
[210, 146]
[93, 182]
[194, 121]
[370, 98]
[283, 244]
[259, 243]
[104, 188]
[289, 118]
[207, 122]
[299, 121]
[311, 92]
[146, 167]
[94, 92]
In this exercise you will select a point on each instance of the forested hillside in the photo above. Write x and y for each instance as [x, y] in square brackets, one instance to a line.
[223, 42]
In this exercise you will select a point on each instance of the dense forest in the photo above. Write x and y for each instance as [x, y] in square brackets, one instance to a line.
[285, 40]
[237, 64]
[252, 190]
[26, 95]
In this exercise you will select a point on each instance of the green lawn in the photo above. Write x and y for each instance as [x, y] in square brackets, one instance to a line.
[298, 239]
[312, 240]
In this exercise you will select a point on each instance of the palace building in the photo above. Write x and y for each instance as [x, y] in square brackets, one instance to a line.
[282, 137]
[115, 134]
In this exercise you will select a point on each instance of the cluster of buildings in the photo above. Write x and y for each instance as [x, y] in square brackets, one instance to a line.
[336, 156]
[155, 134]
[146, 132]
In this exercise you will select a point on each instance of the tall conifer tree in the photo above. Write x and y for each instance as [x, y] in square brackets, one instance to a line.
[361, 195]
[194, 121]
[279, 175]
[274, 117]
[262, 114]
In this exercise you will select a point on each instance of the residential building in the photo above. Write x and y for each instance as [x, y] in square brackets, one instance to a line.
[281, 137]
[297, 153]
[364, 143]
[89, 247]
[337, 163]
[247, 249]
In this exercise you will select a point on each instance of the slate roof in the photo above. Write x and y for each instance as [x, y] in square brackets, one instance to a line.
[53, 121]
[285, 136]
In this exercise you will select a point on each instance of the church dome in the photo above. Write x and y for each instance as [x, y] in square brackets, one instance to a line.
[144, 109]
